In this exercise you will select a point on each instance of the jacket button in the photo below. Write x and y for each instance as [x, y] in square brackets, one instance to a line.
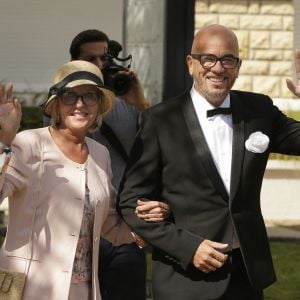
[96, 239]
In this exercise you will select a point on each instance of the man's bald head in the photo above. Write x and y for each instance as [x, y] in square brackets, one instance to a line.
[214, 62]
[211, 31]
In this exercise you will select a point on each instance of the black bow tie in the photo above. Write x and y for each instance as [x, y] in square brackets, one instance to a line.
[218, 111]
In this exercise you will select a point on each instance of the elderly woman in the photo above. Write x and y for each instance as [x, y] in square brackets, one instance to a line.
[58, 183]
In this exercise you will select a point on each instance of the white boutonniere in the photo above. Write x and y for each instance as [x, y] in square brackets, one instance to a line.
[257, 142]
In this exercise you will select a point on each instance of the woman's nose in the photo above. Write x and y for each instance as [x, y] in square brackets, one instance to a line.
[79, 101]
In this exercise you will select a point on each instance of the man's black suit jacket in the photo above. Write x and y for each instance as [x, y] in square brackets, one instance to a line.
[170, 160]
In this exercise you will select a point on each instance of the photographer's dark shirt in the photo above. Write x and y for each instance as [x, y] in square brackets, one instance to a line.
[123, 120]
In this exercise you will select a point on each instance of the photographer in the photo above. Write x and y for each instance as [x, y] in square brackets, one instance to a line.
[123, 268]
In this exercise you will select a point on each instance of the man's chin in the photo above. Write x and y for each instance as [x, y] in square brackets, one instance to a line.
[217, 88]
[216, 95]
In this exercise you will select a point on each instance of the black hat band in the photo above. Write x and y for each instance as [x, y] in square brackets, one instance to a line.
[72, 77]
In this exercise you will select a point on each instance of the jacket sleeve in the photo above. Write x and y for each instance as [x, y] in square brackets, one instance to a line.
[143, 179]
[286, 134]
[20, 166]
[114, 227]
[115, 230]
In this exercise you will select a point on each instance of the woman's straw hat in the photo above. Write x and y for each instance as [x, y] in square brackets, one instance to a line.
[75, 73]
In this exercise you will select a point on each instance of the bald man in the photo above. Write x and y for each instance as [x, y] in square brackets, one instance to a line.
[205, 153]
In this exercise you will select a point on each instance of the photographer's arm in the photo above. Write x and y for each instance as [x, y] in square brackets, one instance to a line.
[135, 96]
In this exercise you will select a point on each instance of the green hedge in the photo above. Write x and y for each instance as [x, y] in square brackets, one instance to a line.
[286, 258]
[32, 117]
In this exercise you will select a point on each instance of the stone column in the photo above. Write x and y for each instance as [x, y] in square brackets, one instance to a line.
[144, 39]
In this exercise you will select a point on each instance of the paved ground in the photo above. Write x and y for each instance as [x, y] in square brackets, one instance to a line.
[284, 230]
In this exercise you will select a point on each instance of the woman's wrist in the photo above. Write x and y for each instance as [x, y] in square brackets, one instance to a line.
[138, 240]
[4, 148]
[4, 160]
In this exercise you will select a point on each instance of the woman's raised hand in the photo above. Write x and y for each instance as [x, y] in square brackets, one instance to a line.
[10, 114]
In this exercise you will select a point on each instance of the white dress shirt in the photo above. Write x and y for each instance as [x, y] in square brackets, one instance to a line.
[217, 131]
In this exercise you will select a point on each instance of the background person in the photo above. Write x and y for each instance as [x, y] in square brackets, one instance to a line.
[205, 154]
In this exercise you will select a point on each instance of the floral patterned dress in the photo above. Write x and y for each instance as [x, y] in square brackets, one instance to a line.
[82, 267]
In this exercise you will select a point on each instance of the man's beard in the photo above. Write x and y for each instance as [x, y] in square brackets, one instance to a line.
[214, 97]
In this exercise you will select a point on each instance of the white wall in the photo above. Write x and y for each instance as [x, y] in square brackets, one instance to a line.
[35, 35]
[280, 191]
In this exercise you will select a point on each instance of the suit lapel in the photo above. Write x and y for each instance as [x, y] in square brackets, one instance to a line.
[238, 147]
[200, 144]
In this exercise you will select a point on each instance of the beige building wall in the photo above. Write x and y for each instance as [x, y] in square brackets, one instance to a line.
[265, 29]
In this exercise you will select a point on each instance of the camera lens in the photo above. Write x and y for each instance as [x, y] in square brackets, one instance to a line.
[121, 83]
[113, 77]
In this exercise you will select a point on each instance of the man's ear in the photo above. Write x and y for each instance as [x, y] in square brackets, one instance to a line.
[240, 63]
[189, 62]
[238, 68]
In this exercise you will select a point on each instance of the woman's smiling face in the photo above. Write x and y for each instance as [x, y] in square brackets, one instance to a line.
[76, 113]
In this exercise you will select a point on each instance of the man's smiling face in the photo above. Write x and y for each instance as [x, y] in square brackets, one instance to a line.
[215, 82]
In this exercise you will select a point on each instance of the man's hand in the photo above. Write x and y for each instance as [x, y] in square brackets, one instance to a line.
[208, 256]
[135, 96]
[295, 88]
[10, 114]
[152, 211]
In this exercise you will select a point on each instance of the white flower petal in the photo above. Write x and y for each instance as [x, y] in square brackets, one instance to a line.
[257, 142]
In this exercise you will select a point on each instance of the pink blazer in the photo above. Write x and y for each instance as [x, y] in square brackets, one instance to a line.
[46, 194]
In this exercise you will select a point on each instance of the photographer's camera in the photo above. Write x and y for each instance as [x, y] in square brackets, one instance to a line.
[116, 76]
